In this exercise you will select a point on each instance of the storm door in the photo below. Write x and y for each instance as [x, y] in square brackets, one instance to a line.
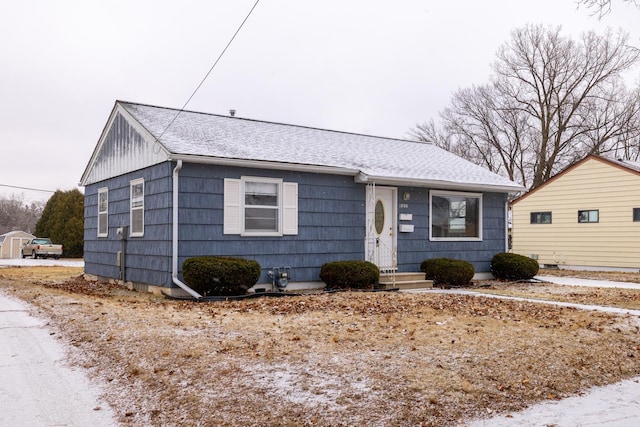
[381, 227]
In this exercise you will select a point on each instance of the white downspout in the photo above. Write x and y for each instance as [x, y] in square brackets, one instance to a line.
[174, 260]
[506, 225]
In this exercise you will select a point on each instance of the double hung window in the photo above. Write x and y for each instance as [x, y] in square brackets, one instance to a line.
[103, 212]
[137, 208]
[261, 206]
[255, 206]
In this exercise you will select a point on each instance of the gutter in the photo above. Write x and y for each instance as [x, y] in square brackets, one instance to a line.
[262, 164]
[359, 176]
[363, 178]
[174, 258]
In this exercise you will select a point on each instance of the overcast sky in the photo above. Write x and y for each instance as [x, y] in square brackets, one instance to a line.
[365, 66]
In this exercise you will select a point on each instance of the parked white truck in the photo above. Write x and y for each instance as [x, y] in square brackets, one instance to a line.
[41, 248]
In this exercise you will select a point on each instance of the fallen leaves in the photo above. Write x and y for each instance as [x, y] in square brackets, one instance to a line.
[330, 359]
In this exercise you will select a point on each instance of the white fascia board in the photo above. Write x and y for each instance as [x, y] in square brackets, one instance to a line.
[438, 184]
[261, 164]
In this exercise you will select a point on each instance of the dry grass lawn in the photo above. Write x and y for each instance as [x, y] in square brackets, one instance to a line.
[617, 297]
[351, 358]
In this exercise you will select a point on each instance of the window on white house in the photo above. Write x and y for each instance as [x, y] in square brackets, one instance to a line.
[636, 214]
[136, 228]
[256, 206]
[540, 217]
[455, 216]
[103, 212]
[588, 216]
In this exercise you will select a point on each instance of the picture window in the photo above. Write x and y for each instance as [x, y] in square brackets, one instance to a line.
[455, 216]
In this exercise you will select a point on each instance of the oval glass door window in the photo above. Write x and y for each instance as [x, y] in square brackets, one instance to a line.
[379, 217]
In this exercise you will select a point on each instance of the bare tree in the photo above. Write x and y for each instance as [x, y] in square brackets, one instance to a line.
[15, 214]
[550, 102]
[481, 128]
[603, 7]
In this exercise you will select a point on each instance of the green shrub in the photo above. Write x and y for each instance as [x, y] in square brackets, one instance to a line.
[213, 275]
[350, 274]
[430, 266]
[448, 272]
[508, 266]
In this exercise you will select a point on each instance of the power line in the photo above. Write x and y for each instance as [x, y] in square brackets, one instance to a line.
[210, 70]
[26, 188]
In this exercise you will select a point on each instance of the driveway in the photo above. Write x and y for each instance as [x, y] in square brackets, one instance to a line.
[29, 262]
[38, 387]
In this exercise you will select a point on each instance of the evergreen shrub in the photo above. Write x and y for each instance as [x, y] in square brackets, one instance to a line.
[509, 266]
[220, 276]
[448, 272]
[350, 274]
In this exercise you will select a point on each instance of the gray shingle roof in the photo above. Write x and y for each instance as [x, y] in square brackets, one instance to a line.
[376, 158]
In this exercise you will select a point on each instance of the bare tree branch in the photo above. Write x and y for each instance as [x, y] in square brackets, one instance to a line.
[550, 102]
[602, 7]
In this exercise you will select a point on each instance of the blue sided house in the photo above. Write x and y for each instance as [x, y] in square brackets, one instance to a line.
[164, 185]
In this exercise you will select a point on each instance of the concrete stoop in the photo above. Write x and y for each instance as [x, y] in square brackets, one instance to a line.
[405, 281]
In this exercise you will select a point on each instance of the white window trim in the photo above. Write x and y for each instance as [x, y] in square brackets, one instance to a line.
[458, 194]
[103, 190]
[234, 207]
[133, 233]
[277, 181]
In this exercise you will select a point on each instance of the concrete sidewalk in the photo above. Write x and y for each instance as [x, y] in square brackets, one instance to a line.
[572, 281]
[37, 387]
[615, 405]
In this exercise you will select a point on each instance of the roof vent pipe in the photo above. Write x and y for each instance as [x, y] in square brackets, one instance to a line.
[232, 113]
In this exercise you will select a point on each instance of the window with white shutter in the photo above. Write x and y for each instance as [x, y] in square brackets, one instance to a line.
[256, 206]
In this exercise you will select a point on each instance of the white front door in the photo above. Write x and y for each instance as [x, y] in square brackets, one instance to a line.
[381, 227]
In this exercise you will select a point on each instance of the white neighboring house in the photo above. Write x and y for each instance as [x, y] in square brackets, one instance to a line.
[11, 242]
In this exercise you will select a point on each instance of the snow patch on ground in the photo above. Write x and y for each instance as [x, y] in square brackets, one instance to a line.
[306, 387]
[38, 387]
[615, 405]
[30, 262]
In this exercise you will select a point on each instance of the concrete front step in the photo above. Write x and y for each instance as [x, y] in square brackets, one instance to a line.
[406, 281]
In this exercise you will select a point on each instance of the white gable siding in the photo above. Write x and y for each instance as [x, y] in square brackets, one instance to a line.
[612, 242]
[124, 147]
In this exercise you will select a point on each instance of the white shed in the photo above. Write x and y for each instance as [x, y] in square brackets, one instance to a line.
[11, 242]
